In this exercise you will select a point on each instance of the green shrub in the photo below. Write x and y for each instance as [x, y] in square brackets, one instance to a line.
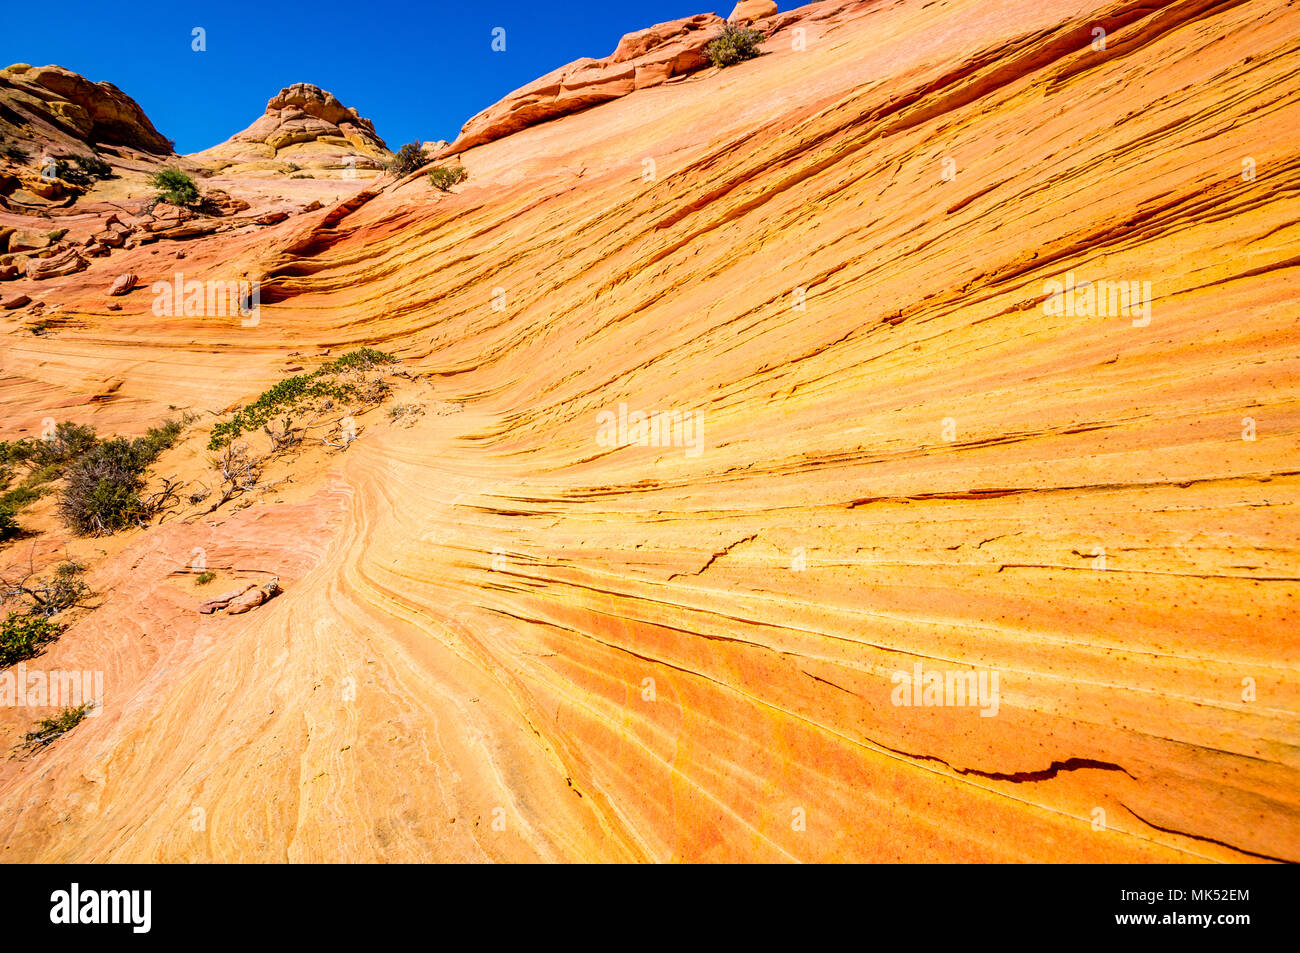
[46, 460]
[50, 730]
[21, 496]
[444, 177]
[361, 359]
[82, 170]
[160, 438]
[205, 577]
[409, 159]
[9, 527]
[15, 451]
[101, 494]
[56, 235]
[63, 591]
[286, 395]
[93, 165]
[733, 45]
[22, 636]
[175, 187]
[68, 442]
[294, 391]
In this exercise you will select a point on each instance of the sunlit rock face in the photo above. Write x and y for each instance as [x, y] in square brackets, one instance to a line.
[50, 105]
[304, 128]
[884, 449]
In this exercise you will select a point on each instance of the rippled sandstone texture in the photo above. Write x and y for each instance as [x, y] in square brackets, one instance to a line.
[501, 640]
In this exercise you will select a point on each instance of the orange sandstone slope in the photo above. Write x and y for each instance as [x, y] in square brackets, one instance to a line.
[504, 639]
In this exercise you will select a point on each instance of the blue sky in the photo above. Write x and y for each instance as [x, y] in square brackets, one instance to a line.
[417, 69]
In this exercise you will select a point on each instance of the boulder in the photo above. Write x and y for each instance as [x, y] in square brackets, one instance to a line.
[238, 601]
[110, 237]
[122, 284]
[12, 303]
[221, 601]
[747, 11]
[56, 266]
[27, 241]
[221, 202]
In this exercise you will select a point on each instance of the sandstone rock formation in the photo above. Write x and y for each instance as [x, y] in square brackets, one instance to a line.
[122, 284]
[304, 127]
[869, 266]
[746, 11]
[642, 59]
[52, 105]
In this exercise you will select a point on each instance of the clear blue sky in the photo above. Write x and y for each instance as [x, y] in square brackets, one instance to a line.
[418, 70]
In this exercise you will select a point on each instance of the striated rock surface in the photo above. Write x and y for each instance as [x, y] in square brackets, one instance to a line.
[304, 127]
[868, 271]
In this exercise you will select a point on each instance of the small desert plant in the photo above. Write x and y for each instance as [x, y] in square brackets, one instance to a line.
[160, 438]
[56, 235]
[362, 359]
[409, 158]
[9, 527]
[302, 175]
[284, 396]
[50, 730]
[22, 636]
[63, 590]
[444, 177]
[81, 170]
[292, 392]
[205, 577]
[102, 494]
[45, 597]
[95, 166]
[102, 491]
[733, 45]
[65, 444]
[175, 187]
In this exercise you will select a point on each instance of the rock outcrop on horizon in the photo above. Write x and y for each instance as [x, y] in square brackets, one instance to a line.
[746, 11]
[304, 128]
[646, 58]
[50, 116]
[970, 343]
[50, 105]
